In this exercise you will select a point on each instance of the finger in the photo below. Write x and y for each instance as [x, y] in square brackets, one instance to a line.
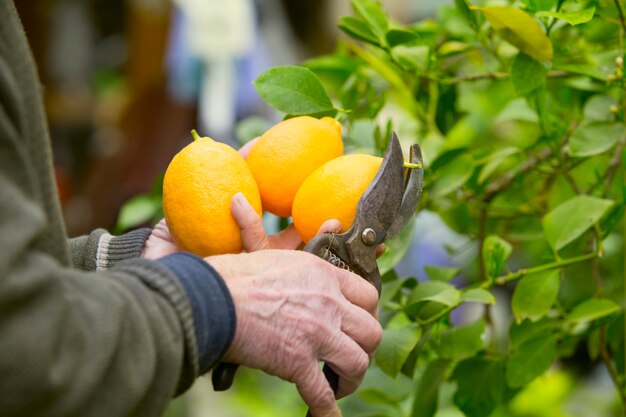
[357, 290]
[331, 225]
[253, 237]
[244, 151]
[286, 239]
[316, 392]
[348, 360]
[361, 327]
[380, 249]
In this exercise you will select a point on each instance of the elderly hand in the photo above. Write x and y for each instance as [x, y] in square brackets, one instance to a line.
[294, 310]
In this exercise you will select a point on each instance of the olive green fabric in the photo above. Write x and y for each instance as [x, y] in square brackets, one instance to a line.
[115, 342]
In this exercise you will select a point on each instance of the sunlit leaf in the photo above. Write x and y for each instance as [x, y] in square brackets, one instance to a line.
[521, 30]
[358, 29]
[441, 273]
[462, 342]
[595, 137]
[371, 12]
[573, 18]
[478, 295]
[592, 309]
[437, 291]
[395, 348]
[396, 248]
[137, 211]
[527, 74]
[598, 108]
[294, 90]
[572, 218]
[535, 294]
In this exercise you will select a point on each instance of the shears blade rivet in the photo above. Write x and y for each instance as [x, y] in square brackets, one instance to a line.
[369, 236]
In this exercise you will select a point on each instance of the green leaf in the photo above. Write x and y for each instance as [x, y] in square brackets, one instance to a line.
[462, 341]
[371, 12]
[400, 36]
[598, 108]
[494, 161]
[395, 348]
[495, 253]
[519, 29]
[571, 219]
[138, 210]
[594, 138]
[464, 8]
[573, 18]
[481, 386]
[441, 273]
[437, 291]
[414, 58]
[535, 5]
[358, 29]
[530, 359]
[396, 248]
[427, 394]
[250, 128]
[378, 387]
[535, 294]
[478, 295]
[390, 289]
[527, 74]
[294, 90]
[453, 175]
[592, 309]
[520, 333]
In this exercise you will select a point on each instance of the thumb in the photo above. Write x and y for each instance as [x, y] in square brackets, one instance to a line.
[253, 235]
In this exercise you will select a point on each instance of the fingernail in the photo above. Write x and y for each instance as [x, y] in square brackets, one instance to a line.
[241, 200]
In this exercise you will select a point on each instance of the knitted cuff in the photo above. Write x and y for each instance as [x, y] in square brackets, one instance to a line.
[211, 304]
[113, 249]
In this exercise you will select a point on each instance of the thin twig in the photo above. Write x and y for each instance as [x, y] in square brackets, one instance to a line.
[545, 267]
[608, 363]
[613, 166]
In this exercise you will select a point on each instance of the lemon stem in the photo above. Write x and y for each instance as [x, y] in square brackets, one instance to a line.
[412, 166]
[194, 135]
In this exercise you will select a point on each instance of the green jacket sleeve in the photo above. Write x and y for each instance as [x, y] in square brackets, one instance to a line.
[120, 342]
[99, 251]
[74, 343]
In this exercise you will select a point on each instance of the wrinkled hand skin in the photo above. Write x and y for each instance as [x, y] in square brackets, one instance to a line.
[159, 243]
[293, 310]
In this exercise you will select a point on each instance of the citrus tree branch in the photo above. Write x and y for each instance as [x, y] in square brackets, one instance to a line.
[545, 267]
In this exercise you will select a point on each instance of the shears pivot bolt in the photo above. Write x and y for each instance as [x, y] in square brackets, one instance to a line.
[369, 236]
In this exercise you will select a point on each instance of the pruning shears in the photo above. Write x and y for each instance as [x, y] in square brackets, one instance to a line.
[384, 209]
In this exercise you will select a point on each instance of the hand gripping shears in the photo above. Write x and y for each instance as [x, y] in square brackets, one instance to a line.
[384, 209]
